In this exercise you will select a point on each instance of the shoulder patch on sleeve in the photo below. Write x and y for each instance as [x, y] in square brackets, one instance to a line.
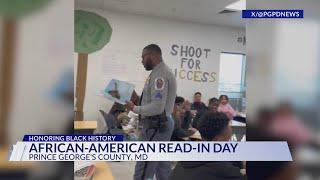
[159, 83]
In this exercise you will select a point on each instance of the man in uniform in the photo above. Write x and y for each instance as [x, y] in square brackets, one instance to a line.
[155, 109]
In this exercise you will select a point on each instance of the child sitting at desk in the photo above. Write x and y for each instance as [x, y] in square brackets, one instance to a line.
[225, 107]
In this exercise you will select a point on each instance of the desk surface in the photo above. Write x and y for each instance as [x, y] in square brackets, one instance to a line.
[242, 114]
[85, 125]
[102, 171]
[7, 165]
[234, 123]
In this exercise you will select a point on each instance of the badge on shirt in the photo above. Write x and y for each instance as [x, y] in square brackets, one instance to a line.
[159, 84]
[158, 96]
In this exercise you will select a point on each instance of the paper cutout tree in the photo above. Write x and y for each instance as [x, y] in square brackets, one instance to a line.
[92, 33]
[11, 10]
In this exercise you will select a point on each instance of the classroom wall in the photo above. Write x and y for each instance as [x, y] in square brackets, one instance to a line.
[121, 57]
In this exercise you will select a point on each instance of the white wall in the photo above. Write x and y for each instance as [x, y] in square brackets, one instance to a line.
[121, 57]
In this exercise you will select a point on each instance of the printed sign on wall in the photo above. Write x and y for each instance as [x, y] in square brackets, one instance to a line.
[190, 66]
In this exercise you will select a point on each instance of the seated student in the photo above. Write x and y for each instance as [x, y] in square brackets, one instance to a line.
[115, 118]
[182, 120]
[287, 125]
[213, 104]
[212, 107]
[267, 170]
[115, 110]
[118, 109]
[225, 107]
[213, 126]
[197, 104]
[184, 107]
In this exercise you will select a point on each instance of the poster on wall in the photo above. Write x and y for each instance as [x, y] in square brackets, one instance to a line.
[190, 63]
[195, 68]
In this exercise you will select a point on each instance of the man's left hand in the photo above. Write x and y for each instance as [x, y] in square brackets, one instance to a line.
[129, 106]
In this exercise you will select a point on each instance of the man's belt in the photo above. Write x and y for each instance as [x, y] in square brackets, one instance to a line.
[157, 122]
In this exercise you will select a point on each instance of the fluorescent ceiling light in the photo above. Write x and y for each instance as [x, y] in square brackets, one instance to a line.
[238, 5]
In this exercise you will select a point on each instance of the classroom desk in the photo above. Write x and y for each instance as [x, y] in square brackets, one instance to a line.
[6, 165]
[102, 171]
[79, 125]
[242, 114]
[14, 170]
[238, 128]
[84, 127]
[234, 123]
[309, 161]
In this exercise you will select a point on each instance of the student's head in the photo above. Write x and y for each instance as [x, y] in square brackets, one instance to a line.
[214, 126]
[213, 104]
[264, 117]
[151, 56]
[224, 99]
[178, 111]
[179, 101]
[197, 97]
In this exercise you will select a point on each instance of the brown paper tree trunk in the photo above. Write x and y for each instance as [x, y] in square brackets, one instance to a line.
[6, 76]
[81, 85]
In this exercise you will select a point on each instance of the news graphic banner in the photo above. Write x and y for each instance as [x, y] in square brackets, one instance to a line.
[272, 13]
[112, 148]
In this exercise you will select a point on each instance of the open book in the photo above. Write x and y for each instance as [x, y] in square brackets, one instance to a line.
[83, 170]
[118, 91]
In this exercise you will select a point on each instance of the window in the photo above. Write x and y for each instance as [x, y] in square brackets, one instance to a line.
[232, 78]
[232, 71]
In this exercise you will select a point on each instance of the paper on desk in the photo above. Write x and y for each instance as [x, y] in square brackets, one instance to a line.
[131, 114]
[118, 91]
[196, 135]
[81, 164]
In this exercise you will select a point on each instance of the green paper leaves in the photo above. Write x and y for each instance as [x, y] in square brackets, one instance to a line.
[92, 32]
